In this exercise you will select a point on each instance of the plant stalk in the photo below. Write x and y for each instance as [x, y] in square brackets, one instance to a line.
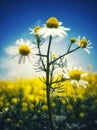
[48, 86]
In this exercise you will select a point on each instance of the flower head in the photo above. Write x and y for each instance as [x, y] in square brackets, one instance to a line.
[53, 28]
[35, 31]
[75, 75]
[84, 43]
[54, 56]
[22, 50]
[72, 40]
[52, 22]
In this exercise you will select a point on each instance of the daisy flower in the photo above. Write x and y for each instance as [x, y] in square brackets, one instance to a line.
[84, 43]
[53, 28]
[75, 75]
[35, 31]
[23, 50]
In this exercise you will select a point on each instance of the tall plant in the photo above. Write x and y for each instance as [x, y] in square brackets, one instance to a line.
[51, 63]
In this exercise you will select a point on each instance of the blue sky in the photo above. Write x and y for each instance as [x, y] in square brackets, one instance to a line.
[16, 16]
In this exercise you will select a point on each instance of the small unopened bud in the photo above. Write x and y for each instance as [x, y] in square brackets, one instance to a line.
[54, 56]
[72, 40]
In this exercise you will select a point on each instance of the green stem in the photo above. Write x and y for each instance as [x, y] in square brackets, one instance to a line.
[38, 42]
[48, 86]
[69, 47]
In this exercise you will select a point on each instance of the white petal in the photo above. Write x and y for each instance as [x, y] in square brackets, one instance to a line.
[18, 42]
[58, 33]
[60, 23]
[89, 47]
[31, 29]
[22, 42]
[83, 83]
[29, 58]
[85, 74]
[28, 43]
[84, 37]
[20, 59]
[79, 37]
[24, 59]
[65, 29]
[87, 50]
[66, 76]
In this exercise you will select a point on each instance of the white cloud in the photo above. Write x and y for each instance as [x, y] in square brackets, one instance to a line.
[12, 69]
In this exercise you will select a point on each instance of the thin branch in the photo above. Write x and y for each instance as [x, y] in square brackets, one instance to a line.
[64, 55]
[42, 80]
[69, 47]
[38, 42]
[41, 55]
[61, 80]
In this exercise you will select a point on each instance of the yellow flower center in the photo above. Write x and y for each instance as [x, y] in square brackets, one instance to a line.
[24, 50]
[36, 29]
[83, 43]
[72, 40]
[75, 74]
[52, 22]
[54, 56]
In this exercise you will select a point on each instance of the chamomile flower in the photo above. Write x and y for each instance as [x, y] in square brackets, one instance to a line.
[53, 28]
[75, 75]
[23, 50]
[35, 31]
[84, 43]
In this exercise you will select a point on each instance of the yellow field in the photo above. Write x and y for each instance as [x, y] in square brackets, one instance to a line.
[34, 90]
